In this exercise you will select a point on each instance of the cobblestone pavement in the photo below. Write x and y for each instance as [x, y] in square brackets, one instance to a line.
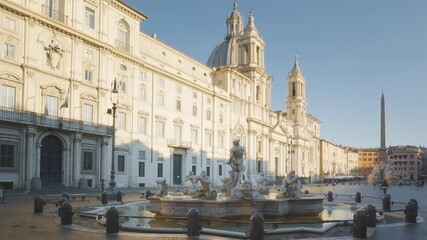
[18, 221]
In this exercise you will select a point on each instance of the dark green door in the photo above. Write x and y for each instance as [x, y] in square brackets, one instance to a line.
[51, 161]
[177, 169]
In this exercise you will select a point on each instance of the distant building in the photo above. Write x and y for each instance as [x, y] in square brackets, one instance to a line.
[337, 160]
[368, 159]
[406, 162]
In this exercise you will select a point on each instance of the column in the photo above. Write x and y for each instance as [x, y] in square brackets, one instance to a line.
[29, 158]
[77, 144]
[103, 163]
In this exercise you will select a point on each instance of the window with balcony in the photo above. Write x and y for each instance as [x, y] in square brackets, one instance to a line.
[90, 18]
[123, 32]
[55, 9]
[142, 125]
[178, 133]
[51, 106]
[87, 115]
[121, 121]
[7, 96]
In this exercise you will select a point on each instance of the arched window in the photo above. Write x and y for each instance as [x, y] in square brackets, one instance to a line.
[122, 41]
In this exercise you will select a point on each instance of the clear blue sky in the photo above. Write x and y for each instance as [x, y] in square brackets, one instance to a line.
[349, 51]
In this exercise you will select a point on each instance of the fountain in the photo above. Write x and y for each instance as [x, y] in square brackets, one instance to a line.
[240, 198]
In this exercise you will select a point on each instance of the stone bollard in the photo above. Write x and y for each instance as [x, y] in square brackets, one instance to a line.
[358, 197]
[104, 198]
[59, 204]
[193, 225]
[66, 195]
[330, 197]
[411, 212]
[360, 224]
[386, 202]
[38, 204]
[148, 194]
[257, 227]
[119, 196]
[372, 215]
[66, 213]
[112, 224]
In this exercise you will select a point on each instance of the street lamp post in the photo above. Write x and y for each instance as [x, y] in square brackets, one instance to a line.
[114, 100]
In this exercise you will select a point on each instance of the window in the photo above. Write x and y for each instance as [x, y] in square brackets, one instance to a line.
[178, 89]
[141, 155]
[7, 96]
[7, 155]
[51, 107]
[221, 118]
[161, 82]
[293, 89]
[9, 24]
[142, 124]
[122, 86]
[89, 54]
[142, 75]
[220, 170]
[193, 169]
[142, 93]
[194, 111]
[208, 100]
[178, 132]
[259, 165]
[9, 51]
[87, 161]
[208, 115]
[160, 157]
[141, 169]
[208, 161]
[160, 170]
[194, 160]
[160, 99]
[160, 127]
[120, 163]
[221, 141]
[90, 18]
[194, 136]
[208, 139]
[178, 105]
[194, 95]
[122, 41]
[54, 9]
[87, 115]
[208, 171]
[88, 75]
[121, 121]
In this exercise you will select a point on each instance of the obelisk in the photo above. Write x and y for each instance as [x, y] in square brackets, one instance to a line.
[383, 150]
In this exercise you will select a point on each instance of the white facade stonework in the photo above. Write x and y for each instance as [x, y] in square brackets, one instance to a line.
[174, 115]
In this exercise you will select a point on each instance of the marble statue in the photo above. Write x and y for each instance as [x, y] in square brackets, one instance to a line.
[193, 179]
[236, 162]
[162, 188]
[260, 184]
[289, 186]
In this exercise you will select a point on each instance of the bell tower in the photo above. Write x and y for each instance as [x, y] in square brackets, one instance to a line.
[251, 48]
[296, 105]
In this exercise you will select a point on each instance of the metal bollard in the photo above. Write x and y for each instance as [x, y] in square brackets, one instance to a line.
[372, 215]
[411, 212]
[112, 224]
[66, 213]
[330, 197]
[148, 194]
[386, 202]
[38, 204]
[104, 198]
[257, 227]
[119, 197]
[358, 197]
[193, 225]
[360, 224]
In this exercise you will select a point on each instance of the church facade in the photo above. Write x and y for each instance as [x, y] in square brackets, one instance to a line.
[174, 114]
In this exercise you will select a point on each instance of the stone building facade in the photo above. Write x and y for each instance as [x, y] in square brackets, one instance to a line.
[174, 114]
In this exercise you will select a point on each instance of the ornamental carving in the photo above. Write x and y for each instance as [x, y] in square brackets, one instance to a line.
[54, 54]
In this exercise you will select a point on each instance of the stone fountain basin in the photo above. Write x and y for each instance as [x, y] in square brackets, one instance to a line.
[229, 208]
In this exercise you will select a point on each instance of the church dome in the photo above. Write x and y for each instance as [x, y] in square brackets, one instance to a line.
[220, 56]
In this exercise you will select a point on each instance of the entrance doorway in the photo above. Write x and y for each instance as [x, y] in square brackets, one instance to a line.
[51, 161]
[177, 169]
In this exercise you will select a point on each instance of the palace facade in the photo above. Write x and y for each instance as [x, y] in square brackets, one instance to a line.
[174, 114]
